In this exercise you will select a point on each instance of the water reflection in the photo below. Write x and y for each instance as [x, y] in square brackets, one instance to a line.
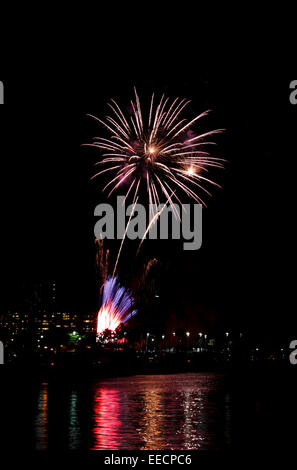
[41, 420]
[194, 431]
[151, 427]
[107, 423]
[74, 431]
[155, 412]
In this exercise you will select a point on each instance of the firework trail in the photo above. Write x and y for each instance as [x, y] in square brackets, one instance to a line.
[160, 151]
[102, 259]
[116, 308]
[143, 278]
[148, 283]
[151, 223]
[121, 246]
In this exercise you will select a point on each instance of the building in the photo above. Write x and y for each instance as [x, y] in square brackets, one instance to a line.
[37, 323]
[14, 323]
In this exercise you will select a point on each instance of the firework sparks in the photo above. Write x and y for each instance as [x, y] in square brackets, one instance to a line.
[116, 308]
[160, 151]
[102, 259]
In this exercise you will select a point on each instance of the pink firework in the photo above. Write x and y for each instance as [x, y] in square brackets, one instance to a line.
[160, 151]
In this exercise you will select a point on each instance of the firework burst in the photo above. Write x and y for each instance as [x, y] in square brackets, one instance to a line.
[159, 151]
[116, 308]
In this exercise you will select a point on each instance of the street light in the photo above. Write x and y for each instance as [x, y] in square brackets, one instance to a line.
[147, 335]
[188, 333]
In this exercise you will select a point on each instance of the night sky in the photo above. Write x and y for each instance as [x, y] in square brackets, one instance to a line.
[242, 277]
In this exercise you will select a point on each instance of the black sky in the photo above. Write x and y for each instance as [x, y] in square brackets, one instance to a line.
[242, 271]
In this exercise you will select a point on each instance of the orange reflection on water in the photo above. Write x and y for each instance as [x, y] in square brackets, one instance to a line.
[41, 422]
[151, 429]
[107, 423]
